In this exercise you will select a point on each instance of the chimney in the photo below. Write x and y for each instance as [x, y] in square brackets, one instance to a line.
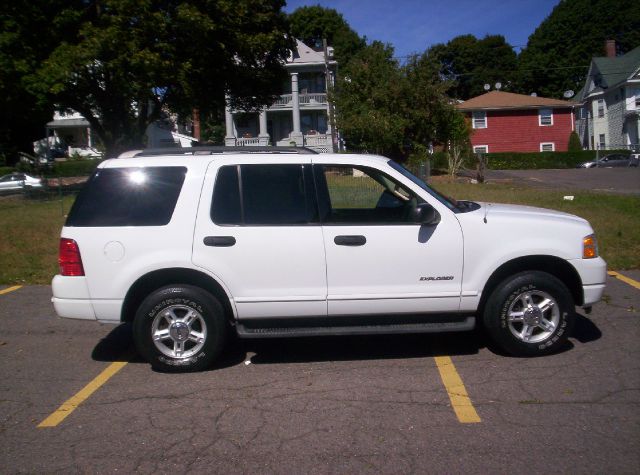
[610, 48]
[196, 124]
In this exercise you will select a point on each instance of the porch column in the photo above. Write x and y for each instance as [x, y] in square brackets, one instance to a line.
[296, 135]
[264, 134]
[230, 137]
[89, 144]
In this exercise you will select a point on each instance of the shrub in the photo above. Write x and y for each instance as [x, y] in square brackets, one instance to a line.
[536, 160]
[574, 142]
[73, 168]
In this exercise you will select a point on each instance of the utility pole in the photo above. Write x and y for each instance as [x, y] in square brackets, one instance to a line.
[327, 80]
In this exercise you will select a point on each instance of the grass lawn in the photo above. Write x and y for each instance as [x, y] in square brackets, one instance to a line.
[31, 229]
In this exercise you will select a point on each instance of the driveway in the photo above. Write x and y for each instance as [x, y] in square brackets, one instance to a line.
[614, 180]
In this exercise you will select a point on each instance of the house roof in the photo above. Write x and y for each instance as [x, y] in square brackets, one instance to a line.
[304, 54]
[605, 72]
[508, 100]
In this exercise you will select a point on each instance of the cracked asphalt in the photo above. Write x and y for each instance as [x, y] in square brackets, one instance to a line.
[331, 405]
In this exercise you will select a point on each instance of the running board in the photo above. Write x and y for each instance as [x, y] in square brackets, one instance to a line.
[268, 329]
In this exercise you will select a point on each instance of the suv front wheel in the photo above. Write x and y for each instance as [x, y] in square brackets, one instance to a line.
[179, 328]
[530, 314]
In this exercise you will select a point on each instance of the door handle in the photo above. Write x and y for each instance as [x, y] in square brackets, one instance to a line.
[350, 240]
[219, 241]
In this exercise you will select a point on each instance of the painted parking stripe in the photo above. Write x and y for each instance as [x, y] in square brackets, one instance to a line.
[10, 289]
[72, 403]
[460, 401]
[625, 279]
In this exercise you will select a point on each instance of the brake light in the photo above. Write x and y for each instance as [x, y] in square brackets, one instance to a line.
[69, 258]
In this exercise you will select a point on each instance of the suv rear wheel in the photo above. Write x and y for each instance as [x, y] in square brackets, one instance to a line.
[530, 314]
[179, 328]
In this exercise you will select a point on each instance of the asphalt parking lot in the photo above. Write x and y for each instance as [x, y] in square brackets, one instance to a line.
[624, 181]
[403, 404]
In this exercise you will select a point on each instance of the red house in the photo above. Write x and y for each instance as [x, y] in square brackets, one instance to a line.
[507, 122]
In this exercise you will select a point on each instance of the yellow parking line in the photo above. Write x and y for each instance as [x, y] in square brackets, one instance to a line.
[625, 279]
[71, 404]
[458, 396]
[10, 289]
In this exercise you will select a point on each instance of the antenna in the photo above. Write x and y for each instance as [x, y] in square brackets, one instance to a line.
[568, 94]
[487, 87]
[533, 94]
[498, 86]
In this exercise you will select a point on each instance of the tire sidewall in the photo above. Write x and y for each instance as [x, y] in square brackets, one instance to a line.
[497, 311]
[191, 297]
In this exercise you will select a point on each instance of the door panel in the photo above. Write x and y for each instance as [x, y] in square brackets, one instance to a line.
[392, 264]
[270, 266]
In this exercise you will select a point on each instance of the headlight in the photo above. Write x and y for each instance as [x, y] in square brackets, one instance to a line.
[589, 247]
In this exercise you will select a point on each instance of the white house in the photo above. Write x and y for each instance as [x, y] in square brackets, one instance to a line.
[300, 116]
[610, 102]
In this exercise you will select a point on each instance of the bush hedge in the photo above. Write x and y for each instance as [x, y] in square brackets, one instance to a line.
[6, 170]
[535, 160]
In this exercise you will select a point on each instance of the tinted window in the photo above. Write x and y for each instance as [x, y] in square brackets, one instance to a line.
[225, 208]
[128, 197]
[268, 195]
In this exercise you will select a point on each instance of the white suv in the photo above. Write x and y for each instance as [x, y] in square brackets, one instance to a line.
[190, 243]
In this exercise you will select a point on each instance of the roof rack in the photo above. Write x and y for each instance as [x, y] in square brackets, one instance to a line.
[212, 150]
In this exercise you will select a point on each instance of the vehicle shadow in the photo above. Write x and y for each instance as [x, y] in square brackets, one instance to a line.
[118, 346]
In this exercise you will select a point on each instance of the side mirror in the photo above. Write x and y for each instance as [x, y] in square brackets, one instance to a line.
[424, 213]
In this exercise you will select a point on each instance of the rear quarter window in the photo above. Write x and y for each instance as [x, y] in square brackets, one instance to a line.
[144, 196]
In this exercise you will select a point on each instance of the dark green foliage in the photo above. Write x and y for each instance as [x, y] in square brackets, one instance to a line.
[6, 170]
[559, 51]
[389, 109]
[574, 143]
[469, 63]
[120, 63]
[313, 24]
[538, 160]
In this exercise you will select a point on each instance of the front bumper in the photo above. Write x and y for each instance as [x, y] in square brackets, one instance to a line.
[593, 274]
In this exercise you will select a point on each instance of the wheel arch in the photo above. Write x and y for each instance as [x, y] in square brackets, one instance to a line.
[553, 265]
[178, 275]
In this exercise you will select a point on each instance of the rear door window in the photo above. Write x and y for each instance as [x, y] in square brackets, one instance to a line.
[144, 196]
[264, 195]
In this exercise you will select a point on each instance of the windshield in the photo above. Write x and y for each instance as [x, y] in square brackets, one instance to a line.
[445, 200]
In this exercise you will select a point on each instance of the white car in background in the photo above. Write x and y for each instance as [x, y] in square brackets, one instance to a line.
[18, 181]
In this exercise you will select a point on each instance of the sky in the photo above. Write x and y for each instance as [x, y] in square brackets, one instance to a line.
[411, 26]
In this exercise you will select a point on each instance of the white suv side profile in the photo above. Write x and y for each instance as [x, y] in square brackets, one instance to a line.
[189, 244]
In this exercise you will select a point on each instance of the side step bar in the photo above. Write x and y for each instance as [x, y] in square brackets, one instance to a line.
[292, 328]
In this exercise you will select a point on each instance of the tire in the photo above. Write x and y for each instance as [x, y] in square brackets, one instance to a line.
[189, 328]
[530, 314]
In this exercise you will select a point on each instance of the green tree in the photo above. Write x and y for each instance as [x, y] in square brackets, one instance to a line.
[123, 62]
[470, 63]
[22, 115]
[389, 109]
[315, 23]
[368, 100]
[558, 53]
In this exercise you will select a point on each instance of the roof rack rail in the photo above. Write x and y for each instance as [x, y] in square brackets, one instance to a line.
[211, 150]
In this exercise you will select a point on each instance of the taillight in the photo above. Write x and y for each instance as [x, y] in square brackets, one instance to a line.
[69, 258]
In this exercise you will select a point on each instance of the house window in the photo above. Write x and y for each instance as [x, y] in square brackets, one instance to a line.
[601, 141]
[480, 120]
[547, 147]
[481, 149]
[545, 117]
[600, 108]
[637, 94]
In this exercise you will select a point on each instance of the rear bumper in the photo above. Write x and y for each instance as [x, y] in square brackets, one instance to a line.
[71, 298]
